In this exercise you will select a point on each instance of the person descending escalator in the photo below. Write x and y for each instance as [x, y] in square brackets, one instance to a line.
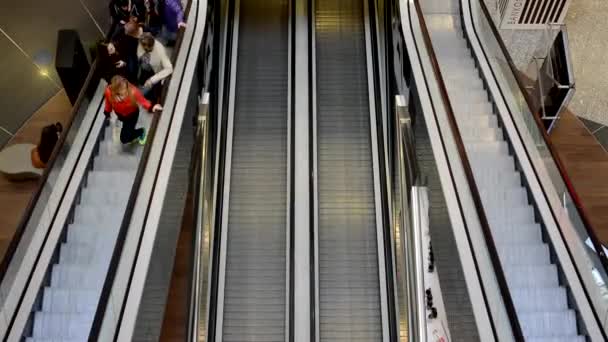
[125, 42]
[172, 18]
[154, 66]
[123, 11]
[152, 20]
[124, 99]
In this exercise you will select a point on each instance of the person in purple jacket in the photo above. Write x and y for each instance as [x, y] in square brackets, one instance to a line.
[173, 20]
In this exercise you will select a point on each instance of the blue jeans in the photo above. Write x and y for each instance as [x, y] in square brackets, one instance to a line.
[152, 94]
[167, 37]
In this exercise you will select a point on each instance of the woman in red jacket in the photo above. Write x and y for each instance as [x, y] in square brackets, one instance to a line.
[124, 98]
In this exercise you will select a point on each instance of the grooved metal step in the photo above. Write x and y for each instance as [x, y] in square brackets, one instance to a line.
[349, 290]
[256, 263]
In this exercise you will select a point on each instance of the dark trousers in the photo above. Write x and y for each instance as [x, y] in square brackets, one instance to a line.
[129, 132]
[153, 94]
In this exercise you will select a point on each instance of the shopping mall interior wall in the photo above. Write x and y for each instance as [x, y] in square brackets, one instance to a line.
[28, 36]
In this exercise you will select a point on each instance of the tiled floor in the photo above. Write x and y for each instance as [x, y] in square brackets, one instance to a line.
[599, 131]
[588, 44]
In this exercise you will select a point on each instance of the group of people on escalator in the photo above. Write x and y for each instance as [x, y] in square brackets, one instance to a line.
[134, 60]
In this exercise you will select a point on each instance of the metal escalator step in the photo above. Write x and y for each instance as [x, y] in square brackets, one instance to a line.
[531, 276]
[58, 300]
[538, 300]
[521, 255]
[98, 213]
[573, 338]
[84, 253]
[91, 234]
[61, 325]
[77, 277]
[517, 234]
[548, 324]
[246, 335]
[517, 215]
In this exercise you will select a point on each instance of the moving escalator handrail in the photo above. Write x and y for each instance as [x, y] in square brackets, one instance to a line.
[126, 221]
[499, 271]
[584, 216]
[384, 197]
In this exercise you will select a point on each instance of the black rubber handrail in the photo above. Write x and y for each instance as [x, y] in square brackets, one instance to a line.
[215, 9]
[126, 221]
[222, 140]
[292, 170]
[311, 171]
[386, 222]
[599, 250]
[485, 226]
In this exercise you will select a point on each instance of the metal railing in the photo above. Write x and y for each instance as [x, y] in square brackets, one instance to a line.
[408, 244]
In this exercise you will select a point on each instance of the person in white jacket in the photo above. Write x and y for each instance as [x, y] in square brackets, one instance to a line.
[154, 65]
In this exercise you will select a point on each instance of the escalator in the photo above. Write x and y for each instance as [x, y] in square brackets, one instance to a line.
[533, 272]
[252, 299]
[532, 278]
[351, 286]
[58, 286]
[69, 301]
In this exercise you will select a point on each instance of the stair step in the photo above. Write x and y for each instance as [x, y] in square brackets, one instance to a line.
[510, 216]
[110, 148]
[61, 325]
[521, 255]
[476, 134]
[507, 197]
[577, 338]
[499, 162]
[539, 300]
[438, 22]
[491, 178]
[519, 234]
[106, 196]
[117, 180]
[531, 276]
[32, 339]
[92, 234]
[482, 121]
[492, 148]
[58, 300]
[98, 214]
[462, 96]
[78, 277]
[79, 253]
[115, 163]
[545, 324]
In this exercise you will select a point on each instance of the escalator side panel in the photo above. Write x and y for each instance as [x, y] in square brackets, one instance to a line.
[460, 317]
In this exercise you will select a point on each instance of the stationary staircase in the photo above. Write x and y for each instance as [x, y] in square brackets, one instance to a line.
[70, 297]
[540, 301]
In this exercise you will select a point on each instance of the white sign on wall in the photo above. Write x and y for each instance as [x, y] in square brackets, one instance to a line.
[531, 14]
